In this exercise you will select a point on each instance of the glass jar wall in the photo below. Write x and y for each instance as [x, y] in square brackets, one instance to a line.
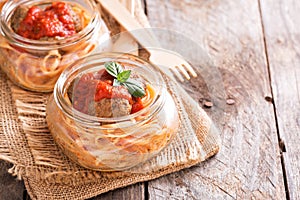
[114, 143]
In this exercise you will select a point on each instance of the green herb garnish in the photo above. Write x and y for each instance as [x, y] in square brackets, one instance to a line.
[122, 77]
[113, 68]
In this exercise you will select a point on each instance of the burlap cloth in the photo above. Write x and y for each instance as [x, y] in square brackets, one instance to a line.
[26, 142]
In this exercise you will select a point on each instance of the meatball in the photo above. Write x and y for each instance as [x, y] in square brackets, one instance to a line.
[18, 17]
[138, 78]
[115, 107]
[76, 19]
[118, 104]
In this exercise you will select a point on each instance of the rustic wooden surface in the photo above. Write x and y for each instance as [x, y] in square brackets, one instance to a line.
[10, 188]
[256, 46]
[282, 34]
[136, 191]
[249, 164]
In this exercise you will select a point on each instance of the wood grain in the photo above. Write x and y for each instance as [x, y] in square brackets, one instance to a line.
[282, 33]
[249, 164]
[10, 187]
[131, 192]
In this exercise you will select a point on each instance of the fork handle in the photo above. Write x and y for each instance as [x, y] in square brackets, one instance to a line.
[144, 36]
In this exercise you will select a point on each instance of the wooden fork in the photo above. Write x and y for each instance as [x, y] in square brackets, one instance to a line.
[169, 62]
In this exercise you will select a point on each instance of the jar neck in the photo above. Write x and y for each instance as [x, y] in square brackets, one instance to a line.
[14, 39]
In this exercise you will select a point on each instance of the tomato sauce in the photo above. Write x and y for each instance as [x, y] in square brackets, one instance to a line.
[55, 20]
[137, 105]
[95, 87]
[106, 90]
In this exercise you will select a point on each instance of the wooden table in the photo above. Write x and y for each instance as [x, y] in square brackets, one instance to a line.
[256, 46]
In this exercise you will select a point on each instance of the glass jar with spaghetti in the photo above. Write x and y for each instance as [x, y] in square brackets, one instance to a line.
[111, 112]
[39, 39]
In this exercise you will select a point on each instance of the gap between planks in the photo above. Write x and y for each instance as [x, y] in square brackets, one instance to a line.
[280, 141]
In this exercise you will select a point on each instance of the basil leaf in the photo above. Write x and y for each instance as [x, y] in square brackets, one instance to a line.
[123, 76]
[134, 88]
[113, 68]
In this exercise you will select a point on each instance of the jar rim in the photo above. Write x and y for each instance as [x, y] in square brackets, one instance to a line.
[22, 42]
[62, 84]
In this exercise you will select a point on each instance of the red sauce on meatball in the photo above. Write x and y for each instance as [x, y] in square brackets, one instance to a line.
[55, 20]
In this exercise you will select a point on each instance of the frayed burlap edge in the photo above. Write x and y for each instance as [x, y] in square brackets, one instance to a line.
[99, 184]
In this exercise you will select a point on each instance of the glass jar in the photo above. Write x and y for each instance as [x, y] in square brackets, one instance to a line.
[36, 64]
[118, 143]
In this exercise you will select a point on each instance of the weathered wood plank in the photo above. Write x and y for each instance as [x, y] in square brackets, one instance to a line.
[249, 164]
[10, 187]
[136, 191]
[282, 32]
[131, 192]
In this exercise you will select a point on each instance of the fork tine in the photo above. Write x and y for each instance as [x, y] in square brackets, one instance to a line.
[177, 74]
[183, 71]
[190, 69]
